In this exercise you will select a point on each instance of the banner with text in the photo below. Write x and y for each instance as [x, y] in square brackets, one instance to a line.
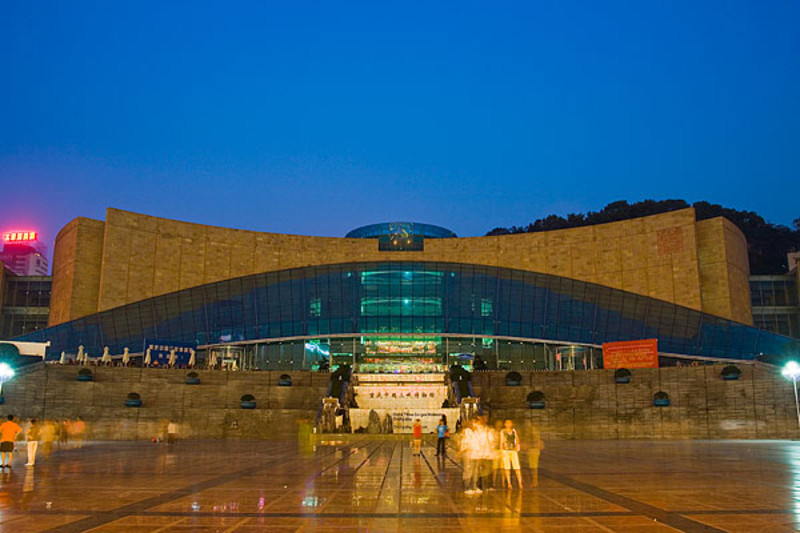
[631, 354]
[159, 351]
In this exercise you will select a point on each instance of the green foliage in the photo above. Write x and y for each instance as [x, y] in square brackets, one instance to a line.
[767, 243]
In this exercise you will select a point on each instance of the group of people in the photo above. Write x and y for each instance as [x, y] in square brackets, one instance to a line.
[489, 455]
[67, 433]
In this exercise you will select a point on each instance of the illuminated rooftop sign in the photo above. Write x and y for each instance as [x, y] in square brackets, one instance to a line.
[20, 236]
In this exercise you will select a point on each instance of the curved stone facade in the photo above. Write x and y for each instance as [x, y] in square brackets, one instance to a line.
[131, 257]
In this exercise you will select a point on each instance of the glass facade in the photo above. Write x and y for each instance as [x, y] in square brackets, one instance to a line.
[293, 318]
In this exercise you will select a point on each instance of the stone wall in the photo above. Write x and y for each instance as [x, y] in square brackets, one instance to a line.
[590, 405]
[142, 256]
[579, 405]
[209, 410]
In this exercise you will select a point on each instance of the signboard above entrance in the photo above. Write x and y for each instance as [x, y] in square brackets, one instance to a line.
[631, 354]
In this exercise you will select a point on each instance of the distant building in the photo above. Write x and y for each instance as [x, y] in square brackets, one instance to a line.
[776, 300]
[793, 258]
[23, 253]
[24, 303]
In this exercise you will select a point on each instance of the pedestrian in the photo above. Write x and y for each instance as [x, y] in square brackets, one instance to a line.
[469, 451]
[48, 437]
[509, 450]
[442, 432]
[34, 435]
[8, 434]
[78, 428]
[488, 439]
[172, 432]
[417, 429]
[537, 445]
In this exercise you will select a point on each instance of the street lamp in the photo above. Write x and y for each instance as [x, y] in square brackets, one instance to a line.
[6, 373]
[792, 371]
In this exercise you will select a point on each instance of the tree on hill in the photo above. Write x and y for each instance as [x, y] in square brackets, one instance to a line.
[767, 243]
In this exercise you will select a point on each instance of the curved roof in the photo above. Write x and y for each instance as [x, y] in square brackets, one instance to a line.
[412, 298]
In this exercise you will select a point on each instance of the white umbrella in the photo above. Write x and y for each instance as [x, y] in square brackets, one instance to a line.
[63, 360]
[172, 358]
[147, 358]
[106, 359]
[126, 357]
[79, 357]
[212, 361]
[85, 358]
[191, 358]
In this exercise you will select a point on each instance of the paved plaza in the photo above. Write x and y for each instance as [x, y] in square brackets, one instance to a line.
[377, 485]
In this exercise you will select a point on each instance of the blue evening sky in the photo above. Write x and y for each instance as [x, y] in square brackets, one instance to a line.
[317, 117]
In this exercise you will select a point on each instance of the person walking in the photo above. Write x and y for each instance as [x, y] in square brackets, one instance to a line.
[442, 432]
[417, 429]
[509, 452]
[8, 434]
[34, 435]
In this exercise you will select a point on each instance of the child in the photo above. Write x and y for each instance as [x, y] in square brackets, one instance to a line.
[509, 449]
[442, 432]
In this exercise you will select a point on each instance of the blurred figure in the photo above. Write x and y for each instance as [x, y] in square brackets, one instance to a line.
[33, 436]
[469, 450]
[487, 449]
[78, 428]
[8, 434]
[497, 460]
[442, 432]
[63, 433]
[417, 430]
[172, 432]
[48, 436]
[537, 445]
[509, 449]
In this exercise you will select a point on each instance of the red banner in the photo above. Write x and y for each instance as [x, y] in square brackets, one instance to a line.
[631, 354]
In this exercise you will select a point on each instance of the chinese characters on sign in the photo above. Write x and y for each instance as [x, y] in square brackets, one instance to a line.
[19, 236]
[631, 354]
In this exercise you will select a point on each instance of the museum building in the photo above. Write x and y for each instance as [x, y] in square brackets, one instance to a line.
[405, 297]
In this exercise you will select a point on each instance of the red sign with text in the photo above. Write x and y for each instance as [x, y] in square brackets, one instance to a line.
[631, 354]
[19, 236]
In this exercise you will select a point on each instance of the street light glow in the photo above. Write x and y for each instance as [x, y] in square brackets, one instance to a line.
[791, 370]
[6, 372]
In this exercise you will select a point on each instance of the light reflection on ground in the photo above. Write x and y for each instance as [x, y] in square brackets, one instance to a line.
[377, 485]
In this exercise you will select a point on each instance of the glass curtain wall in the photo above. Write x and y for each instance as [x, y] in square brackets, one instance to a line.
[435, 300]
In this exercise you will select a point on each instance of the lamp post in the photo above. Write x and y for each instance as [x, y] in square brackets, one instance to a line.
[792, 371]
[6, 373]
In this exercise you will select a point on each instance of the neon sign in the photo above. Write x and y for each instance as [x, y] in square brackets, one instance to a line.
[20, 236]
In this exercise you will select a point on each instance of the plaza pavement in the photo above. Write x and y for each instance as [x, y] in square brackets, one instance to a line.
[364, 484]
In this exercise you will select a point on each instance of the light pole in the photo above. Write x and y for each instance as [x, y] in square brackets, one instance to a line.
[792, 371]
[6, 373]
